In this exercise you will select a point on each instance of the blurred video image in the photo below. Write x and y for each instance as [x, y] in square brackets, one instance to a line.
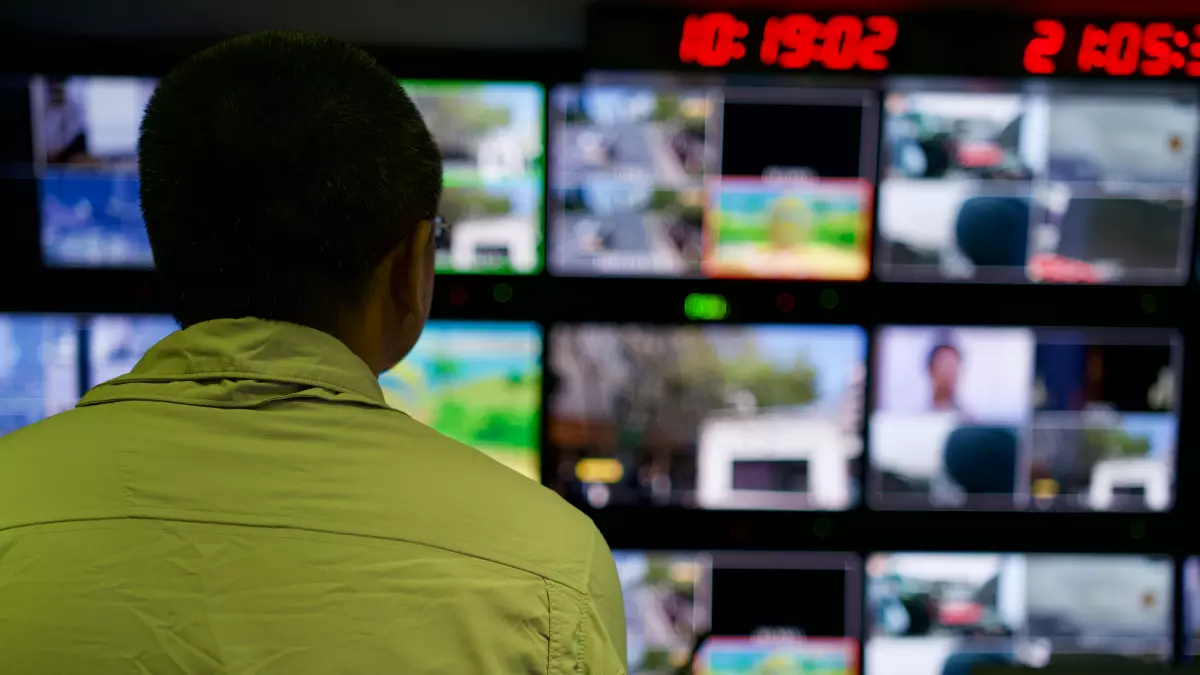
[731, 417]
[1047, 186]
[950, 407]
[688, 612]
[117, 343]
[629, 133]
[39, 368]
[86, 129]
[788, 229]
[491, 227]
[614, 226]
[1104, 426]
[490, 135]
[1011, 418]
[800, 656]
[946, 614]
[479, 383]
[1191, 606]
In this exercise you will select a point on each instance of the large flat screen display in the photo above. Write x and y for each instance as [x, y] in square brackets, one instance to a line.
[1045, 182]
[720, 417]
[662, 179]
[1062, 419]
[490, 133]
[950, 613]
[739, 613]
[479, 383]
[39, 367]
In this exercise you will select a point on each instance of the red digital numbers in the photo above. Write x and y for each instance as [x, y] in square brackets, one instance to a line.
[793, 42]
[712, 39]
[1040, 51]
[1125, 48]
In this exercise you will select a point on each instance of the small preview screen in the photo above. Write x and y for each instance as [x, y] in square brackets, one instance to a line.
[117, 342]
[718, 417]
[479, 383]
[932, 614]
[1037, 419]
[492, 139]
[672, 181]
[85, 138]
[1048, 182]
[727, 610]
[39, 367]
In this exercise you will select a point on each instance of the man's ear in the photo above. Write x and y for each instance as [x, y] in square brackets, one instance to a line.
[411, 263]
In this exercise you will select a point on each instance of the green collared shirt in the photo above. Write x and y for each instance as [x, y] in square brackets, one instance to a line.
[245, 502]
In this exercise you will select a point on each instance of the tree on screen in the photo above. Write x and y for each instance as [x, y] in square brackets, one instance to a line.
[465, 203]
[459, 121]
[1112, 443]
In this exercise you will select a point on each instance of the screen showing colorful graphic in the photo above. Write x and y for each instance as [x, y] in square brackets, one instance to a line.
[1049, 182]
[722, 417]
[479, 383]
[721, 611]
[492, 141]
[39, 367]
[117, 343]
[1064, 419]
[490, 134]
[947, 614]
[664, 180]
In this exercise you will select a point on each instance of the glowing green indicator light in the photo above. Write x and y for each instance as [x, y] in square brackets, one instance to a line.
[705, 307]
[502, 293]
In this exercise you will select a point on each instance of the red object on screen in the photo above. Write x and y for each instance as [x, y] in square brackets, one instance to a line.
[1058, 269]
[712, 39]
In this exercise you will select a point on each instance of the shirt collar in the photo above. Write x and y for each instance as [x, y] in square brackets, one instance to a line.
[250, 349]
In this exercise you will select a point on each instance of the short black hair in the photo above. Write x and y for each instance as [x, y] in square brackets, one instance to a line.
[277, 171]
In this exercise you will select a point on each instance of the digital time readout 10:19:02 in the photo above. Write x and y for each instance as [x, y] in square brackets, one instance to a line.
[794, 41]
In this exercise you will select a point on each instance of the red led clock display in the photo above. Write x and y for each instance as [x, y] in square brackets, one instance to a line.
[795, 41]
[1123, 48]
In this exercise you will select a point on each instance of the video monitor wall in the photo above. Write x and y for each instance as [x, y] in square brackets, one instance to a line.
[479, 383]
[949, 613]
[720, 417]
[490, 133]
[730, 612]
[663, 179]
[1064, 419]
[1043, 182]
[116, 343]
[39, 367]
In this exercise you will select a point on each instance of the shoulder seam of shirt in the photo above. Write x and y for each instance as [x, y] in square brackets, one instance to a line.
[85, 520]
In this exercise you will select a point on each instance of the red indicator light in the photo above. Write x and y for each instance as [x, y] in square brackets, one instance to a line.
[458, 296]
[1040, 51]
[785, 302]
[712, 39]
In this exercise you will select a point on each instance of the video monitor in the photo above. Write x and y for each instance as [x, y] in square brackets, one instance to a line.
[479, 383]
[670, 180]
[722, 612]
[39, 367]
[490, 134]
[1045, 182]
[117, 342]
[1062, 419]
[714, 417]
[85, 137]
[1191, 607]
[953, 613]
[493, 149]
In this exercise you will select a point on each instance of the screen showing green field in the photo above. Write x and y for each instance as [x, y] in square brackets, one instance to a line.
[492, 141]
[479, 383]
